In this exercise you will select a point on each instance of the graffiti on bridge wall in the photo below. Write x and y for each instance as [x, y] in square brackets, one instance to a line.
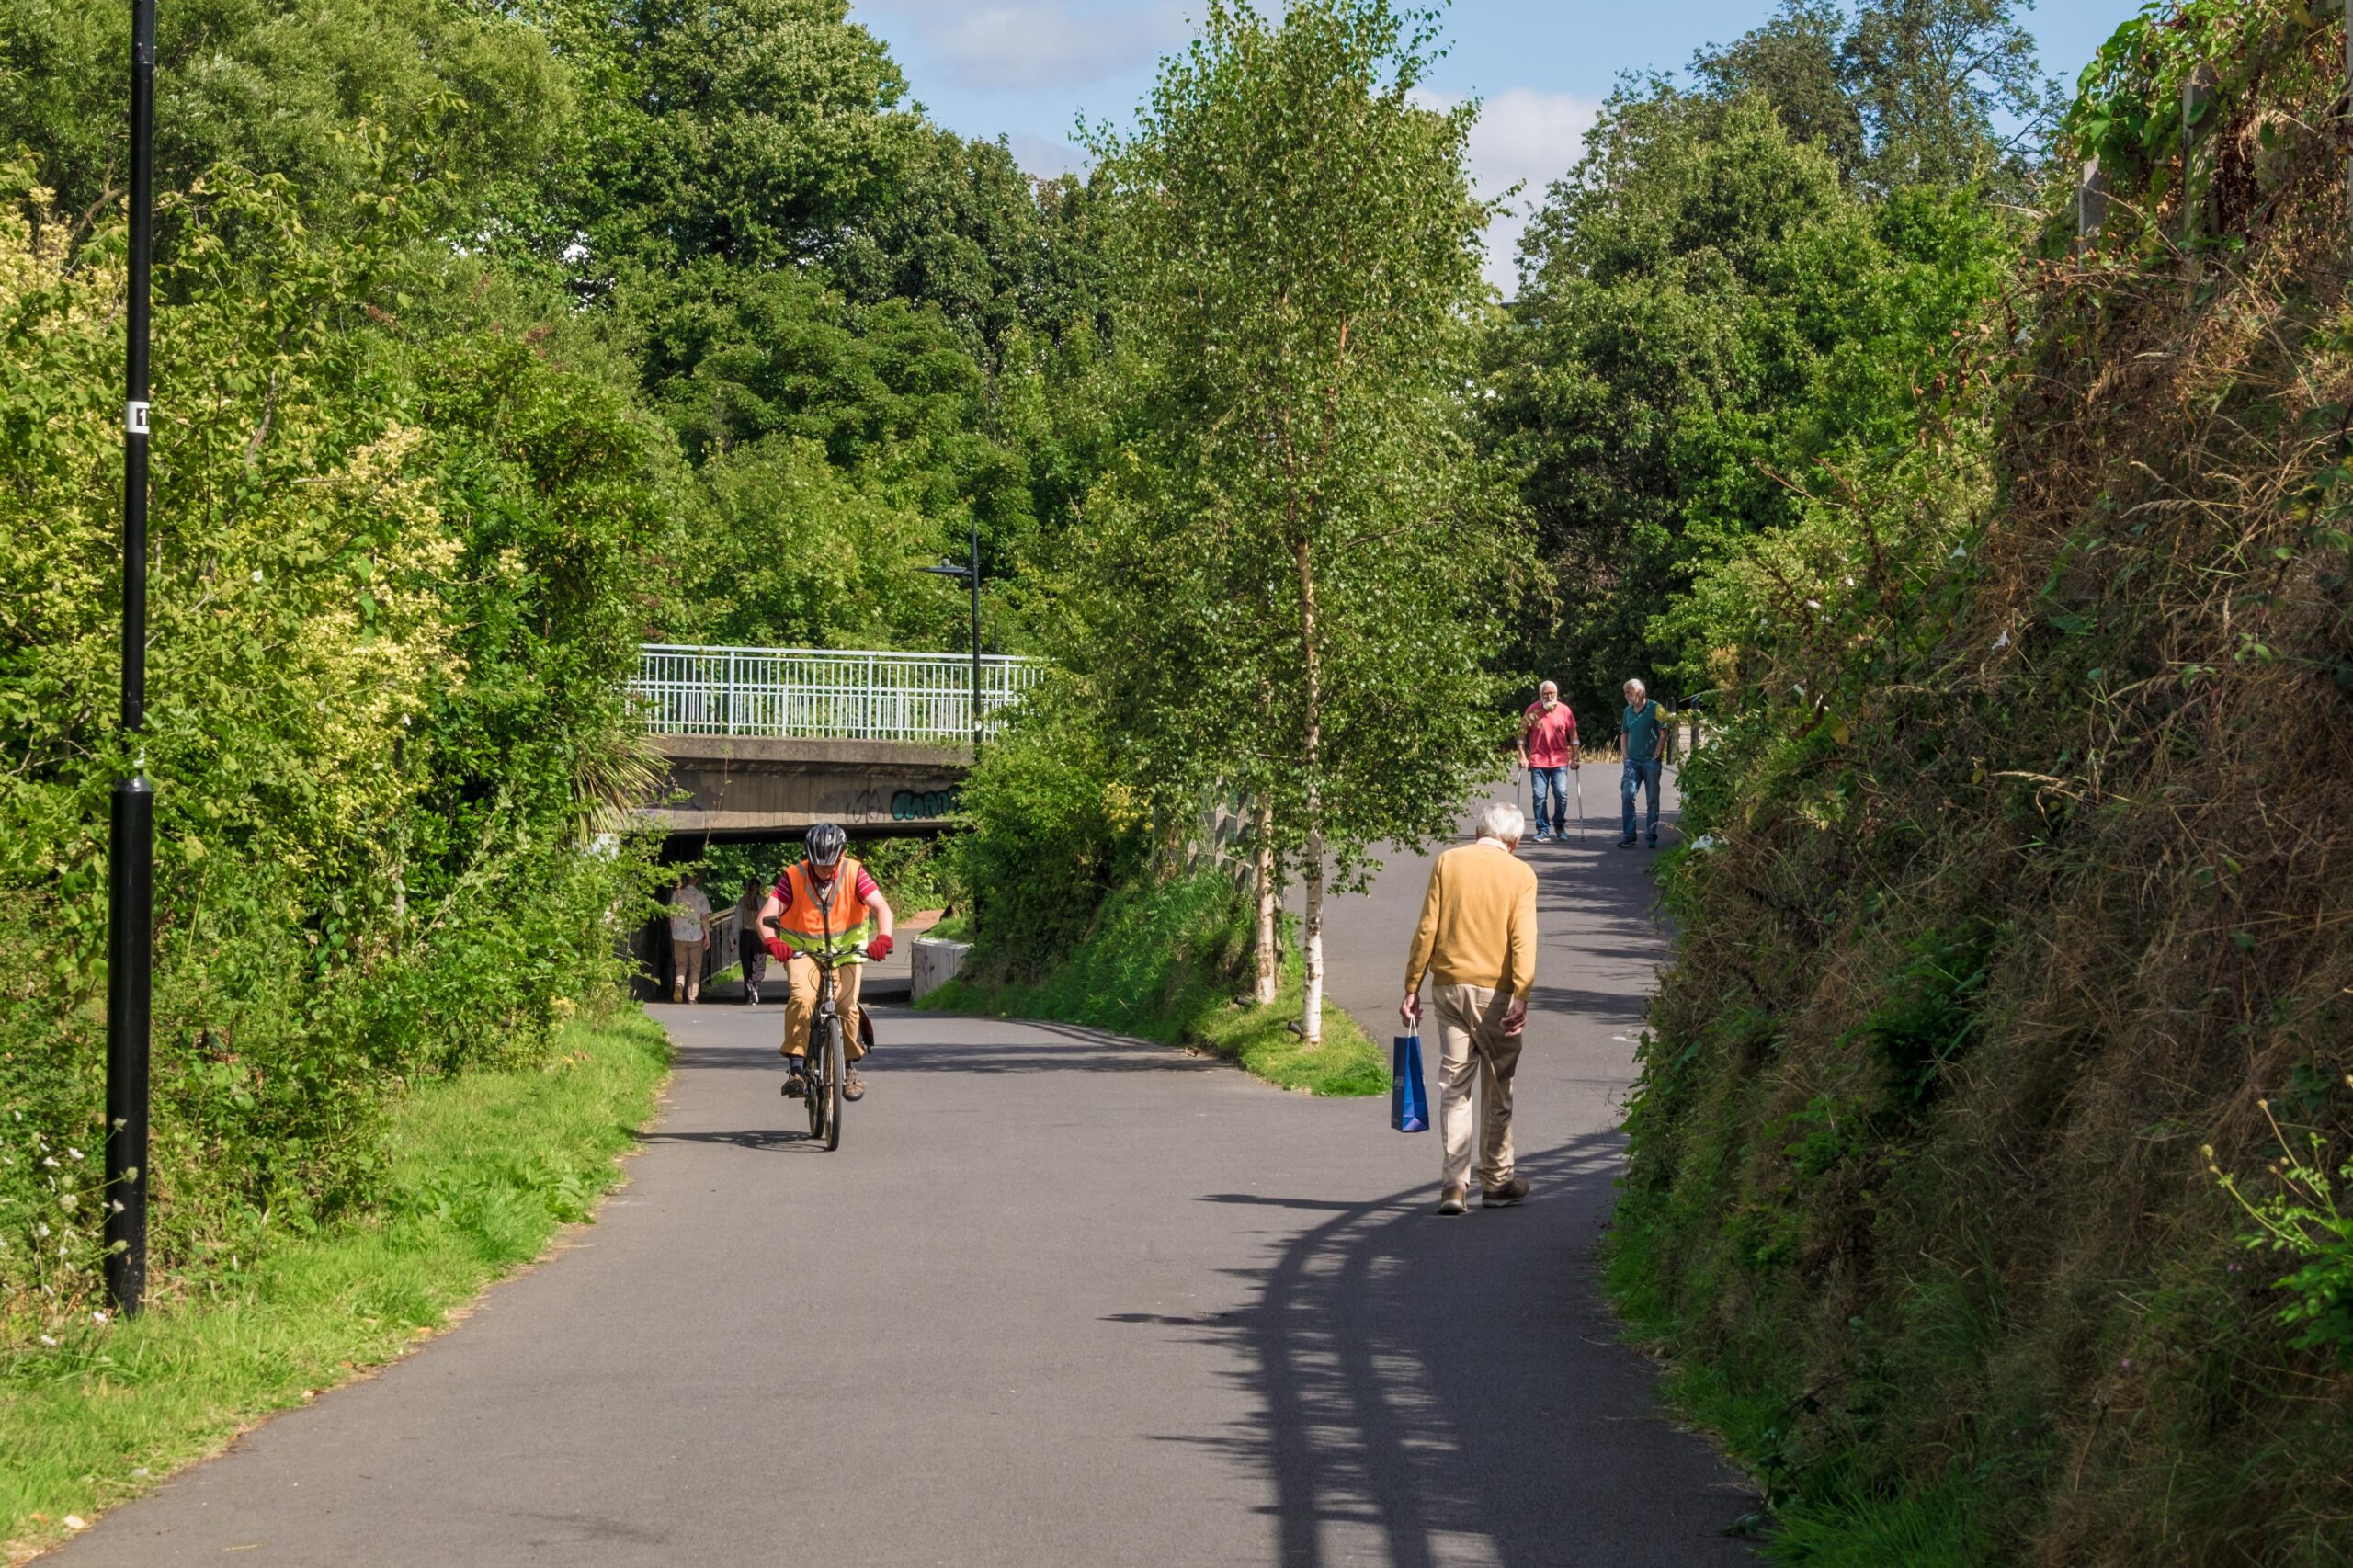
[912, 806]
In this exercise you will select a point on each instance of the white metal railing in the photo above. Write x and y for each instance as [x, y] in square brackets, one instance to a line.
[828, 693]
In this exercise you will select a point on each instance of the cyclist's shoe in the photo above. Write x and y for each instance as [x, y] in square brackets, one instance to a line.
[853, 1087]
[795, 1085]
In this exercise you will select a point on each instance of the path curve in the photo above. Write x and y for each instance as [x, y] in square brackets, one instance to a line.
[1078, 1300]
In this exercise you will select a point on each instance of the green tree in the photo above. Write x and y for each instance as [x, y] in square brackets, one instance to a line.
[1796, 61]
[996, 251]
[1708, 314]
[456, 105]
[1938, 81]
[1902, 93]
[1297, 579]
[756, 131]
[762, 371]
[394, 585]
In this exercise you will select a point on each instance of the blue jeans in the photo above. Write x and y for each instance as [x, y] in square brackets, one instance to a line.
[1641, 772]
[1554, 782]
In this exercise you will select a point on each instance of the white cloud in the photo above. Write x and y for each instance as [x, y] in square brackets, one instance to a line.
[1045, 157]
[1528, 138]
[1041, 43]
[1527, 134]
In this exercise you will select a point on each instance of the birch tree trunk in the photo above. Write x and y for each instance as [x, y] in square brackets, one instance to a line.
[1270, 958]
[1310, 1024]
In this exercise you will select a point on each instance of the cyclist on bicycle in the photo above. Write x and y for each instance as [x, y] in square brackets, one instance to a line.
[826, 904]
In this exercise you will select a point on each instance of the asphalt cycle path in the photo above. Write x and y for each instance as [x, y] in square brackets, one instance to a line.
[1061, 1299]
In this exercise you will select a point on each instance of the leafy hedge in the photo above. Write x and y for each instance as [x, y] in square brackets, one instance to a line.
[392, 590]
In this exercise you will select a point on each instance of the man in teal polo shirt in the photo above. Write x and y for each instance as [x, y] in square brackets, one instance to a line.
[1643, 733]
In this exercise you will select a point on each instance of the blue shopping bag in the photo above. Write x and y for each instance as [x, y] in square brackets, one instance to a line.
[1409, 1100]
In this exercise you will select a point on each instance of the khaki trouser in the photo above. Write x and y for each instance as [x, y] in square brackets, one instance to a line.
[686, 965]
[1474, 1050]
[800, 1005]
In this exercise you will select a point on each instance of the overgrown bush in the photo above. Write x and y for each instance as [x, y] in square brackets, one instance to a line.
[391, 587]
[2024, 881]
[1053, 832]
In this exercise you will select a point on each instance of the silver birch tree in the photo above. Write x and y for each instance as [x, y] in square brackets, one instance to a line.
[1314, 560]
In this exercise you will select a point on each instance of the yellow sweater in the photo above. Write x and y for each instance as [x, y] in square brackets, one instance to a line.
[1478, 922]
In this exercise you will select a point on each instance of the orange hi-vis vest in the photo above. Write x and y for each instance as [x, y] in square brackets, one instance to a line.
[840, 930]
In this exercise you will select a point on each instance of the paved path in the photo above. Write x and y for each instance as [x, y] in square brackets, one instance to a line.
[1060, 1300]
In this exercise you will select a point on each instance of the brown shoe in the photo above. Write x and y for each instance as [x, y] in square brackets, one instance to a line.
[1450, 1200]
[1503, 1197]
[853, 1087]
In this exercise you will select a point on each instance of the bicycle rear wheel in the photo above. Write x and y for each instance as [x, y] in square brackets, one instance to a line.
[832, 1096]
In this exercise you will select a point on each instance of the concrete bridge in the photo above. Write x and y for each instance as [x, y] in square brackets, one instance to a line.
[764, 741]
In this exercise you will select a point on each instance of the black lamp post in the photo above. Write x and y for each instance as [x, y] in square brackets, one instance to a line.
[131, 870]
[971, 573]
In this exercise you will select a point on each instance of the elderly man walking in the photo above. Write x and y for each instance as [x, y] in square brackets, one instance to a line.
[1642, 732]
[1548, 749]
[1477, 944]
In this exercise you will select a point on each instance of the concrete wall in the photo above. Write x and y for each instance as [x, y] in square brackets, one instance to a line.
[734, 784]
[936, 962]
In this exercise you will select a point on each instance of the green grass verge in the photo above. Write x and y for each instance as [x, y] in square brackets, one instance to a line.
[1163, 963]
[1822, 1524]
[486, 1167]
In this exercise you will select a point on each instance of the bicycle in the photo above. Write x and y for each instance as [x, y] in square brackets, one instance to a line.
[827, 1062]
[823, 1069]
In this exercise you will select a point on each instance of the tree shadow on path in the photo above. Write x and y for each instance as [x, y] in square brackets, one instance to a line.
[1441, 1391]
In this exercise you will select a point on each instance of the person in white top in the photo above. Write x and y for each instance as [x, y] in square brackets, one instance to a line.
[690, 937]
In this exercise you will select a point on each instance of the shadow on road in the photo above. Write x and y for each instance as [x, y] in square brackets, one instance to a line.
[1418, 1375]
[1064, 1048]
[750, 1138]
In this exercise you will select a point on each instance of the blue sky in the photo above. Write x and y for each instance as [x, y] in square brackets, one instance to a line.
[1029, 69]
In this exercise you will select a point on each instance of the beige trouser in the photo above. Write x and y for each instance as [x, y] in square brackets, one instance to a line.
[1473, 1048]
[686, 963]
[800, 1005]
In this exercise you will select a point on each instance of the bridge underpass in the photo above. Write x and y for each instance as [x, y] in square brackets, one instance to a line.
[760, 789]
[764, 741]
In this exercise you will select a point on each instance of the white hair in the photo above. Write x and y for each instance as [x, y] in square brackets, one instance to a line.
[1502, 821]
[1636, 685]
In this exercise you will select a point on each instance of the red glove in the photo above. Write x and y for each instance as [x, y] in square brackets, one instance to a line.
[879, 949]
[777, 949]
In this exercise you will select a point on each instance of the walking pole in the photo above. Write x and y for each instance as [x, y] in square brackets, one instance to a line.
[1584, 839]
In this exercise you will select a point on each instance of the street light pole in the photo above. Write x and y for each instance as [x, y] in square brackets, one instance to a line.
[131, 846]
[973, 570]
[971, 573]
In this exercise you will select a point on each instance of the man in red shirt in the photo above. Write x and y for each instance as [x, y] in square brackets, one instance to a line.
[1548, 749]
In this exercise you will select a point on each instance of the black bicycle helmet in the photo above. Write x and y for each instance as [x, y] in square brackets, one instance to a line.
[826, 842]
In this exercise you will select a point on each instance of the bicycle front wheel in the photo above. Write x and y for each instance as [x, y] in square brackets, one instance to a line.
[832, 1096]
[811, 1091]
